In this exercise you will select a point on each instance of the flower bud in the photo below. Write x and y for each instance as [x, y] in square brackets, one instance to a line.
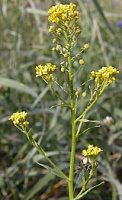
[53, 49]
[84, 94]
[58, 47]
[54, 40]
[51, 29]
[86, 46]
[62, 68]
[81, 61]
[58, 31]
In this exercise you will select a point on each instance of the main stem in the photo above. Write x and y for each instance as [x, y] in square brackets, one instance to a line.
[73, 145]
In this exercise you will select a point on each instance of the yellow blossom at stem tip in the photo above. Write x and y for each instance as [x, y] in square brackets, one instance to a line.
[92, 151]
[45, 71]
[63, 13]
[105, 74]
[19, 118]
[64, 19]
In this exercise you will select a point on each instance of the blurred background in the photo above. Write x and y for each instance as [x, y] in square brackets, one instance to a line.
[24, 43]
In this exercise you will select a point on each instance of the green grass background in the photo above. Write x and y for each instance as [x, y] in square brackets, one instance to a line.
[25, 43]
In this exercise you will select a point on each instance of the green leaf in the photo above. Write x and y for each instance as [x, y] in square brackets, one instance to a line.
[50, 169]
[41, 95]
[87, 191]
[39, 186]
[42, 152]
[6, 82]
[98, 6]
[86, 120]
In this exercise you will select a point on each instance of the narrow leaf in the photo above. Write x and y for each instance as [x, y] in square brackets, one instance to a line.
[98, 6]
[50, 169]
[39, 186]
[6, 82]
[87, 191]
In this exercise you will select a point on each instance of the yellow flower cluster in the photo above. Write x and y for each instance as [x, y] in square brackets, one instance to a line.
[91, 151]
[105, 74]
[19, 118]
[63, 13]
[45, 71]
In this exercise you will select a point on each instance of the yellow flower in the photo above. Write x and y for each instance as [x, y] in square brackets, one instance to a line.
[63, 13]
[45, 71]
[105, 74]
[91, 151]
[19, 118]
[64, 18]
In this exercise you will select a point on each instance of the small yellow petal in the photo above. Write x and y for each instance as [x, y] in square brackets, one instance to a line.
[19, 118]
[91, 151]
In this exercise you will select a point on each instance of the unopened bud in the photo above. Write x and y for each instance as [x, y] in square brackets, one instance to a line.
[81, 61]
[54, 40]
[51, 29]
[84, 94]
[53, 49]
[58, 31]
[62, 69]
[58, 47]
[86, 46]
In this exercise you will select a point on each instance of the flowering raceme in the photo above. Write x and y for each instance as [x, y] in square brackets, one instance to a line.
[91, 151]
[63, 13]
[105, 74]
[65, 29]
[65, 20]
[45, 71]
[19, 118]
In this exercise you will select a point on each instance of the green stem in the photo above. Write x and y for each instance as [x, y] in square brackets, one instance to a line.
[83, 115]
[72, 105]
[85, 182]
[114, 195]
[41, 151]
[93, 100]
[87, 109]
[59, 97]
[87, 191]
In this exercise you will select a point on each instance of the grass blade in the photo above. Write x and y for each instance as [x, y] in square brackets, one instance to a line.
[102, 15]
[6, 82]
[39, 185]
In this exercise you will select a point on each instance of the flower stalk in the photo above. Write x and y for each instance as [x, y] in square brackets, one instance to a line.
[73, 124]
[65, 29]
